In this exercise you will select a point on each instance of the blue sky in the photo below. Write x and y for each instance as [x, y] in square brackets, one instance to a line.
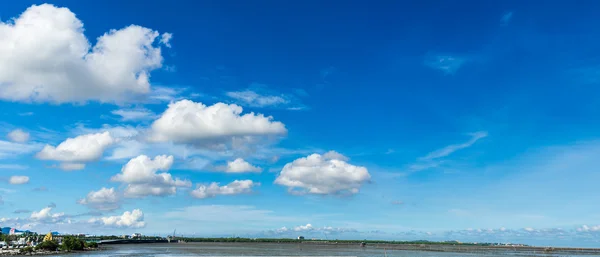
[471, 121]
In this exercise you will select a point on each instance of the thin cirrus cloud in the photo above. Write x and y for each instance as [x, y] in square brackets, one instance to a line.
[443, 152]
[115, 70]
[434, 159]
[135, 114]
[449, 64]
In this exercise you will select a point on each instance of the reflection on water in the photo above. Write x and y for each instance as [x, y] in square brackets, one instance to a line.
[265, 249]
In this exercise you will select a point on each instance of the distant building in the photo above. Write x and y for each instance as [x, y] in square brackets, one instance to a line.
[300, 238]
[136, 235]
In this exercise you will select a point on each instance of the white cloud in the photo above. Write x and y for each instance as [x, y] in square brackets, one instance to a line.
[133, 219]
[331, 155]
[449, 64]
[165, 39]
[188, 122]
[453, 148]
[69, 166]
[46, 215]
[12, 167]
[322, 174]
[251, 98]
[18, 136]
[18, 180]
[84, 148]
[586, 228]
[104, 199]
[240, 166]
[135, 114]
[233, 188]
[12, 149]
[66, 68]
[308, 228]
[140, 175]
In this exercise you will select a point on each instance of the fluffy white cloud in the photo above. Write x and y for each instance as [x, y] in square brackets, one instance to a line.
[134, 114]
[586, 228]
[133, 219]
[66, 68]
[46, 215]
[233, 188]
[186, 121]
[322, 174]
[240, 166]
[140, 175]
[104, 199]
[251, 98]
[84, 148]
[18, 136]
[18, 180]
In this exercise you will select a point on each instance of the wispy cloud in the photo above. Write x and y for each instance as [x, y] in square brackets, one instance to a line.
[506, 18]
[251, 98]
[259, 95]
[443, 152]
[435, 159]
[446, 63]
[134, 114]
[12, 167]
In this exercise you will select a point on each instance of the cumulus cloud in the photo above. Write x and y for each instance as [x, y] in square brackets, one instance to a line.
[220, 124]
[66, 67]
[233, 188]
[18, 180]
[133, 219]
[322, 174]
[18, 136]
[142, 180]
[84, 148]
[251, 98]
[239, 166]
[45, 215]
[104, 200]
[135, 114]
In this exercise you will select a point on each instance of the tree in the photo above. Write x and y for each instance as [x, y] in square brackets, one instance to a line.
[71, 243]
[49, 245]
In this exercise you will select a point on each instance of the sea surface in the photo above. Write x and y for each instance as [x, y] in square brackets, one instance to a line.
[272, 249]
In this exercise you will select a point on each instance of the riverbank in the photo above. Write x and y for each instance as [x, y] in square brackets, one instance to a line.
[18, 252]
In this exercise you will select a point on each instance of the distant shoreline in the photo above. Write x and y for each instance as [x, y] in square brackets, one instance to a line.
[405, 246]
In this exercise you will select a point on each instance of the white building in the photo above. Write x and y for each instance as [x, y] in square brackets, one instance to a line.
[136, 235]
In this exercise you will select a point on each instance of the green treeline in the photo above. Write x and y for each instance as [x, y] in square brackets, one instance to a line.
[288, 240]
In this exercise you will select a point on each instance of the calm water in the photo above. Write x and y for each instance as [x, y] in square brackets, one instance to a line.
[256, 249]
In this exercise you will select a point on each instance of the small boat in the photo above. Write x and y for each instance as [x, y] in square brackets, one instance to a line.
[363, 244]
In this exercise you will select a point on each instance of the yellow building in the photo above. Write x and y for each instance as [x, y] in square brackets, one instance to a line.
[48, 237]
